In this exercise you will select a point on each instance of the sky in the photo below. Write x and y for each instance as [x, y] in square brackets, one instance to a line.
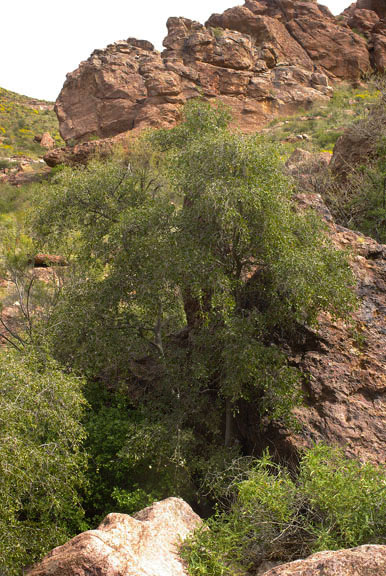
[42, 40]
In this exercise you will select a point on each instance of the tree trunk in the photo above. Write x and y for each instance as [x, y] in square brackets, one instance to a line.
[228, 422]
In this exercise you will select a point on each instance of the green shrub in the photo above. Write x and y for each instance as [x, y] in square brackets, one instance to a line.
[217, 32]
[332, 503]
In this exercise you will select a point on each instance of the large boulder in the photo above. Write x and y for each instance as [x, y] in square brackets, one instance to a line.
[145, 544]
[359, 144]
[368, 18]
[361, 561]
[130, 86]
[378, 6]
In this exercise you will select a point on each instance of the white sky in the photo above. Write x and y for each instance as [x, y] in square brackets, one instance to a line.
[42, 40]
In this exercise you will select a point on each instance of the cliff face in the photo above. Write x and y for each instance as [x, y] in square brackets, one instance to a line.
[261, 59]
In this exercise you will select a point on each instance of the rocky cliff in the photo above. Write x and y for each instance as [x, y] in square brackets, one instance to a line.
[262, 59]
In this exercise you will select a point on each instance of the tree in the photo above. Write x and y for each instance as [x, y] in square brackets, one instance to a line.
[191, 265]
[41, 460]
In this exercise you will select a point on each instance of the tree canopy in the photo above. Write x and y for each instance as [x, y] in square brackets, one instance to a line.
[194, 229]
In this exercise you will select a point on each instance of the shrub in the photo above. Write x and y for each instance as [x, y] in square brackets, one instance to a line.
[333, 502]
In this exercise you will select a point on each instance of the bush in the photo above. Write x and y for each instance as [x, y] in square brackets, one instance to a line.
[41, 461]
[130, 457]
[332, 503]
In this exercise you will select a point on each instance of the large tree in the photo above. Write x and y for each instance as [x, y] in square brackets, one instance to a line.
[190, 265]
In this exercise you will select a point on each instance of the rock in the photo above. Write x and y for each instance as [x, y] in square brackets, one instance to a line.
[344, 363]
[357, 145]
[305, 162]
[351, 149]
[333, 48]
[48, 260]
[82, 153]
[145, 544]
[262, 60]
[269, 33]
[363, 21]
[47, 141]
[379, 41]
[368, 17]
[368, 560]
[378, 6]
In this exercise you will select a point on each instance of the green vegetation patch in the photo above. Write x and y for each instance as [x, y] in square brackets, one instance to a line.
[332, 502]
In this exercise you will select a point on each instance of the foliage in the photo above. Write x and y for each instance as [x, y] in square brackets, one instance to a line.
[41, 461]
[13, 200]
[34, 294]
[332, 503]
[133, 457]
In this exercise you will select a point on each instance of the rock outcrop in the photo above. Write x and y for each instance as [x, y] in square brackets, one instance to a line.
[359, 145]
[143, 545]
[361, 561]
[368, 18]
[81, 153]
[328, 46]
[264, 58]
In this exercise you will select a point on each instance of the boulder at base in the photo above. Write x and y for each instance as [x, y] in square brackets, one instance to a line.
[361, 561]
[145, 544]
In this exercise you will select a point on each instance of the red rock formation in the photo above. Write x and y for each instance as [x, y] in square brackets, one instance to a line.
[143, 545]
[368, 17]
[304, 26]
[262, 59]
[378, 6]
[82, 153]
[361, 561]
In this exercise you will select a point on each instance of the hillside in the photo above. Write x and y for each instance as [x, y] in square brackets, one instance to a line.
[22, 118]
